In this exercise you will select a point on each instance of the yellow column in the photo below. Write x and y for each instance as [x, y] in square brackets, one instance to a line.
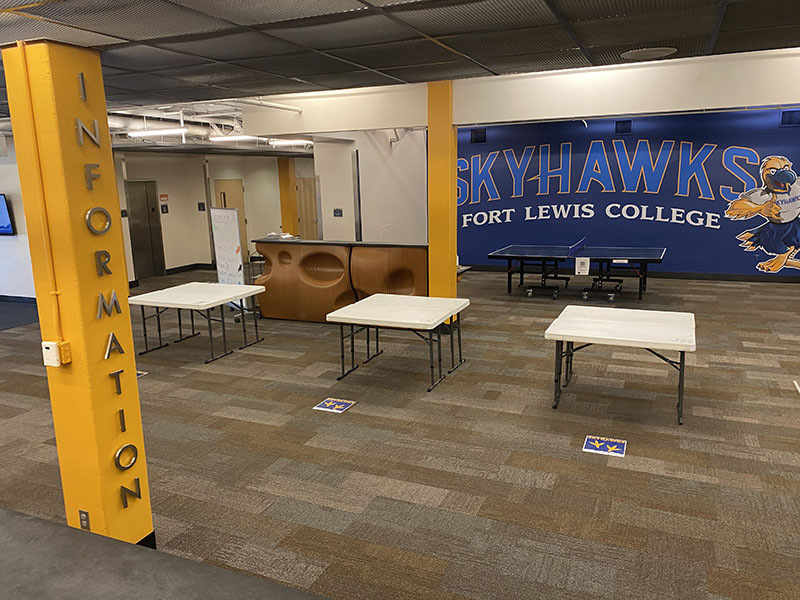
[442, 157]
[288, 191]
[55, 94]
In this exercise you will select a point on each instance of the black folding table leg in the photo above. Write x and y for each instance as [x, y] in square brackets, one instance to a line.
[455, 322]
[557, 375]
[180, 325]
[210, 336]
[377, 345]
[244, 325]
[680, 387]
[430, 354]
[570, 354]
[144, 329]
[439, 348]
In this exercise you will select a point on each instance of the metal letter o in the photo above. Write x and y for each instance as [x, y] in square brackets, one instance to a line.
[118, 457]
[90, 214]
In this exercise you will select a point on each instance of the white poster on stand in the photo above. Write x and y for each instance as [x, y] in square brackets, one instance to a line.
[227, 248]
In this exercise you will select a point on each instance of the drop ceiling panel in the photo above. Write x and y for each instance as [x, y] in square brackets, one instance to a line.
[14, 27]
[396, 54]
[231, 46]
[355, 30]
[200, 92]
[129, 19]
[211, 73]
[759, 39]
[142, 82]
[647, 29]
[548, 61]
[436, 72]
[758, 14]
[355, 79]
[299, 65]
[610, 55]
[444, 18]
[582, 10]
[138, 57]
[508, 43]
[270, 86]
[256, 12]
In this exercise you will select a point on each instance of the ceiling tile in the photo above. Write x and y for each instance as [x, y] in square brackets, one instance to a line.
[299, 65]
[138, 57]
[270, 86]
[444, 18]
[141, 82]
[759, 14]
[647, 29]
[354, 30]
[140, 99]
[257, 12]
[14, 27]
[396, 54]
[759, 39]
[198, 92]
[129, 19]
[353, 79]
[436, 72]
[506, 43]
[583, 10]
[231, 46]
[211, 73]
[610, 55]
[547, 61]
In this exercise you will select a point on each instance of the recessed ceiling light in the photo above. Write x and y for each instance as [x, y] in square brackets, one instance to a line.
[648, 53]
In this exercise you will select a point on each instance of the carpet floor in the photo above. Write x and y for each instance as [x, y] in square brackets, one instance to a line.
[477, 490]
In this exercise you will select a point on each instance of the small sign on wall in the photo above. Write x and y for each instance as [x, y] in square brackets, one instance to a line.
[581, 266]
[337, 212]
[163, 198]
[164, 209]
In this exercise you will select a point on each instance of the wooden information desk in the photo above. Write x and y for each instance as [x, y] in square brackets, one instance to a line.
[307, 279]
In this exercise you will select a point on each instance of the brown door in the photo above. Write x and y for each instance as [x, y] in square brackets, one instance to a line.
[229, 193]
[307, 208]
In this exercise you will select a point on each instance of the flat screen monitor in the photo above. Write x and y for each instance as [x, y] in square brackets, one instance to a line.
[6, 222]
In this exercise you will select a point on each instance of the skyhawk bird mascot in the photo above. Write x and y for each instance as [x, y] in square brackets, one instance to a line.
[778, 201]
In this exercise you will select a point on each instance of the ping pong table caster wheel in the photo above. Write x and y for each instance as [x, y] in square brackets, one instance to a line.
[585, 296]
[618, 287]
[555, 295]
[529, 293]
[611, 297]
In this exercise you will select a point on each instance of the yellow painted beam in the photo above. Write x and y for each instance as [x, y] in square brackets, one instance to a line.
[69, 193]
[288, 191]
[442, 157]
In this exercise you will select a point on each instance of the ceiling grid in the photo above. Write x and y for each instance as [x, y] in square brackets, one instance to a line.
[169, 51]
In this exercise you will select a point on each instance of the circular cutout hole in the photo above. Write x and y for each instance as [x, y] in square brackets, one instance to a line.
[284, 259]
[321, 269]
[343, 299]
[265, 273]
[401, 281]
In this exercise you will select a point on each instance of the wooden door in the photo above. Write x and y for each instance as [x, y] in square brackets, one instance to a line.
[229, 193]
[307, 208]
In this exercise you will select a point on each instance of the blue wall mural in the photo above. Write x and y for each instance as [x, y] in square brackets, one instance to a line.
[717, 190]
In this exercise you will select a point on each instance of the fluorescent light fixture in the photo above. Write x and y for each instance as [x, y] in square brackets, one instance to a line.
[236, 138]
[280, 142]
[156, 132]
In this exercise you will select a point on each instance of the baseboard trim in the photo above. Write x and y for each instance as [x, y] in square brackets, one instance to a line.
[192, 267]
[20, 299]
[653, 274]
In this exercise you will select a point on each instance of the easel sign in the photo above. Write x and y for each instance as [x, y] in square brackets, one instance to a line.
[227, 247]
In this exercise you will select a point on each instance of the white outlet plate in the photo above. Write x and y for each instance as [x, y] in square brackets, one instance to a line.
[50, 354]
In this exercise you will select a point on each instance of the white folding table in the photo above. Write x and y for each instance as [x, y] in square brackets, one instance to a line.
[422, 315]
[648, 329]
[200, 298]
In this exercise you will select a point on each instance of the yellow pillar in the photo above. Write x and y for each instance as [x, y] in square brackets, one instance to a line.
[57, 103]
[288, 191]
[442, 157]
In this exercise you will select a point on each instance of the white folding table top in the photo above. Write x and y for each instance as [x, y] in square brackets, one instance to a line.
[654, 329]
[196, 295]
[398, 311]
